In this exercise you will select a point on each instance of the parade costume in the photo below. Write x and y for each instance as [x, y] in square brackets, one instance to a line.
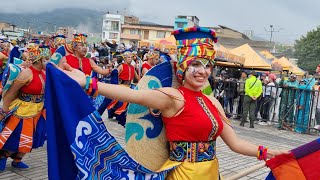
[83, 65]
[117, 108]
[192, 138]
[73, 61]
[150, 56]
[146, 65]
[4, 55]
[192, 135]
[57, 41]
[16, 52]
[25, 129]
[192, 151]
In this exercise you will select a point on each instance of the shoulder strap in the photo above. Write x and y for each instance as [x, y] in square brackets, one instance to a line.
[170, 95]
[253, 83]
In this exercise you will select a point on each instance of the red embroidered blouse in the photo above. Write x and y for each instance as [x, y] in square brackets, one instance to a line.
[36, 86]
[193, 124]
[127, 73]
[74, 62]
[146, 65]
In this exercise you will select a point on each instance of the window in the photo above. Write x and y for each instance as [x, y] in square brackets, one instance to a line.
[114, 26]
[105, 23]
[133, 31]
[103, 35]
[180, 25]
[146, 34]
[113, 35]
[161, 34]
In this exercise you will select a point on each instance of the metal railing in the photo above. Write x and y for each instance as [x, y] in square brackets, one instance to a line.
[291, 108]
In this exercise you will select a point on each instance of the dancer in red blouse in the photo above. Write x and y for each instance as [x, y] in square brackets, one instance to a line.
[4, 54]
[57, 41]
[192, 120]
[152, 60]
[127, 71]
[78, 60]
[25, 129]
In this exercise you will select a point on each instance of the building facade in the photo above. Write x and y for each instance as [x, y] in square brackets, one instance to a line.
[185, 21]
[134, 33]
[111, 27]
[230, 38]
[67, 32]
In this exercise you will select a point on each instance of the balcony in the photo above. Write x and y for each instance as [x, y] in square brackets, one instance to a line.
[108, 28]
[130, 36]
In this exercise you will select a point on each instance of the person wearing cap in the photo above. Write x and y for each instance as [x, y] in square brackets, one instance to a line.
[126, 73]
[286, 111]
[191, 119]
[25, 129]
[253, 90]
[264, 80]
[242, 80]
[78, 60]
[269, 98]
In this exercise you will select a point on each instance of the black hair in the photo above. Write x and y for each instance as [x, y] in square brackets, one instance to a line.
[119, 59]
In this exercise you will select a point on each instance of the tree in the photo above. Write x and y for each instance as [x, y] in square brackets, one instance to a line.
[307, 50]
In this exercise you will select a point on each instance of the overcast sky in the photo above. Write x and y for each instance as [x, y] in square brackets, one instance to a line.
[292, 18]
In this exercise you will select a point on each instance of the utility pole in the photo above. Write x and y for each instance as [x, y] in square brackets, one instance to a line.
[271, 34]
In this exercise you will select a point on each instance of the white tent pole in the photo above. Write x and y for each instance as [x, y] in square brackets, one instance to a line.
[246, 171]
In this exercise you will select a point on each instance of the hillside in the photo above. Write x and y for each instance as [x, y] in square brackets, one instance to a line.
[48, 21]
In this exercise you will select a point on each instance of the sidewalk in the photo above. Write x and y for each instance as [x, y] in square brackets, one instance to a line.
[230, 162]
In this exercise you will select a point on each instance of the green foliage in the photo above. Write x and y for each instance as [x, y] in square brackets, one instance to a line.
[285, 50]
[307, 50]
[282, 47]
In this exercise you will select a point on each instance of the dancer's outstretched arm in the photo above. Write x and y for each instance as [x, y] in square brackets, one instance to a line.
[150, 98]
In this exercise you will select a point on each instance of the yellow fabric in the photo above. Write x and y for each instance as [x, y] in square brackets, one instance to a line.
[225, 53]
[253, 59]
[293, 68]
[208, 170]
[285, 66]
[268, 55]
[26, 109]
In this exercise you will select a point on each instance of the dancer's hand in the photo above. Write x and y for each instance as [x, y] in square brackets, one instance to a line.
[273, 153]
[75, 74]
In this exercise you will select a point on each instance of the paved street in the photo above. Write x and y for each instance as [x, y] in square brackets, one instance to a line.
[230, 162]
